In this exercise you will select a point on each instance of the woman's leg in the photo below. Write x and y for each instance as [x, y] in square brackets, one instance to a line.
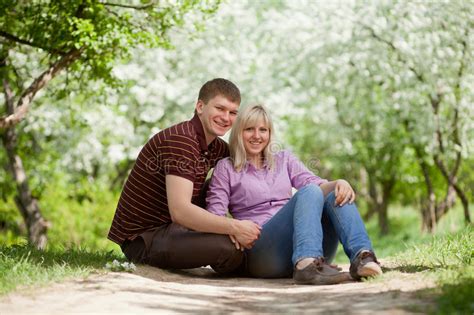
[292, 234]
[348, 225]
[308, 234]
[353, 236]
[330, 238]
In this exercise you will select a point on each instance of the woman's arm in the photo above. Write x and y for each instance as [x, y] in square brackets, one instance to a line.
[299, 174]
[218, 198]
[342, 189]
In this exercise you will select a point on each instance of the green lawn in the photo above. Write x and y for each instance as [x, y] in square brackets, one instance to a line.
[449, 259]
[22, 265]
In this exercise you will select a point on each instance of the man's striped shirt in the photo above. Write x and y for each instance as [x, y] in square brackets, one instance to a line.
[178, 150]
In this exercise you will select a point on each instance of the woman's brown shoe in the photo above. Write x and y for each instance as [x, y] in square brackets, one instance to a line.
[319, 273]
[365, 265]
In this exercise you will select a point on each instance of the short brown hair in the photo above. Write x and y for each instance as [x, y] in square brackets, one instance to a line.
[219, 86]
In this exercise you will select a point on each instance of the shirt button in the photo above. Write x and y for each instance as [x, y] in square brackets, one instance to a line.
[206, 153]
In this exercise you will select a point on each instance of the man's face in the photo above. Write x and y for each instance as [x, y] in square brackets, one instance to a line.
[217, 116]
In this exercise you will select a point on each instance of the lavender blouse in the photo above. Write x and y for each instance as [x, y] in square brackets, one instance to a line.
[254, 194]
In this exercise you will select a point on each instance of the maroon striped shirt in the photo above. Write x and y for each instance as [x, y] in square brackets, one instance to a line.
[178, 150]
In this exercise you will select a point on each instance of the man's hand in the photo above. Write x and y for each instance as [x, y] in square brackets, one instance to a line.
[246, 233]
[344, 193]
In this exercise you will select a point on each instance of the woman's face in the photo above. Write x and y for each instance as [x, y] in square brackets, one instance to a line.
[256, 138]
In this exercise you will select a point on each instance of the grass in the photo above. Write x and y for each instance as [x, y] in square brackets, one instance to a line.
[77, 239]
[450, 260]
[404, 231]
[23, 265]
[447, 256]
[457, 293]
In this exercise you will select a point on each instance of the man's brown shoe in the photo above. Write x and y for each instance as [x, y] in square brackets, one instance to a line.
[319, 273]
[365, 265]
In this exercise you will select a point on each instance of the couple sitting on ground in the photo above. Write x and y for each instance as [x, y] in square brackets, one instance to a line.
[167, 218]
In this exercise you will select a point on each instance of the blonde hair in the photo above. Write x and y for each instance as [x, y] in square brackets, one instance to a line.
[249, 118]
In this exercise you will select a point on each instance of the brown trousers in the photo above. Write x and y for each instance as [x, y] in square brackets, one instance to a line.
[173, 246]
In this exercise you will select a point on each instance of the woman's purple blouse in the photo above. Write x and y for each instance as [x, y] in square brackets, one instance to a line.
[253, 194]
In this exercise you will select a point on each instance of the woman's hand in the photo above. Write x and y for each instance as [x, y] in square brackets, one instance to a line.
[344, 193]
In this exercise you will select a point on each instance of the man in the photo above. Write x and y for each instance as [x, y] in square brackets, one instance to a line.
[158, 220]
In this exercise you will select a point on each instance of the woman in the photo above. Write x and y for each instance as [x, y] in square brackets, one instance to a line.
[299, 233]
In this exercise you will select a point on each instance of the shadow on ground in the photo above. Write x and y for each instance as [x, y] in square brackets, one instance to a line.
[202, 290]
[152, 290]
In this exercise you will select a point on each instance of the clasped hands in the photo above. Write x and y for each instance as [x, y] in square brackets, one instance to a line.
[246, 234]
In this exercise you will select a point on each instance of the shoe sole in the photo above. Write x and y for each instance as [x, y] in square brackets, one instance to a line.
[369, 270]
[319, 280]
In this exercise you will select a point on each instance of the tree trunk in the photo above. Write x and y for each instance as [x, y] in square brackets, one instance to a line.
[432, 210]
[465, 203]
[379, 200]
[428, 214]
[122, 173]
[383, 218]
[387, 187]
[428, 207]
[451, 179]
[372, 198]
[27, 205]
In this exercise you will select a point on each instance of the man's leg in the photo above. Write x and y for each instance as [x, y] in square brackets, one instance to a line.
[173, 246]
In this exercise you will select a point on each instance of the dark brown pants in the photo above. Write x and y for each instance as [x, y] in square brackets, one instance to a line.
[173, 246]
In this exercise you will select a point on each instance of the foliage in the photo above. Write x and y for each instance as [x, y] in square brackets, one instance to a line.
[103, 31]
[80, 212]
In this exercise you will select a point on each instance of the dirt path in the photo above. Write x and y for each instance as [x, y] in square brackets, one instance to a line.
[151, 290]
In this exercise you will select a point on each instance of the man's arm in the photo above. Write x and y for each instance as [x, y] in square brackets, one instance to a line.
[179, 192]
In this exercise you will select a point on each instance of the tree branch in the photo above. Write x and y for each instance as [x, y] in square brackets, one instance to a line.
[392, 46]
[18, 40]
[435, 101]
[10, 106]
[28, 95]
[457, 94]
[128, 6]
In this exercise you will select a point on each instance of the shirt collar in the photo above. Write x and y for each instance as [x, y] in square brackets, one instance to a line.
[201, 136]
[249, 166]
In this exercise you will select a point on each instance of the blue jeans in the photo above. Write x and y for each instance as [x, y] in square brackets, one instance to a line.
[309, 225]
